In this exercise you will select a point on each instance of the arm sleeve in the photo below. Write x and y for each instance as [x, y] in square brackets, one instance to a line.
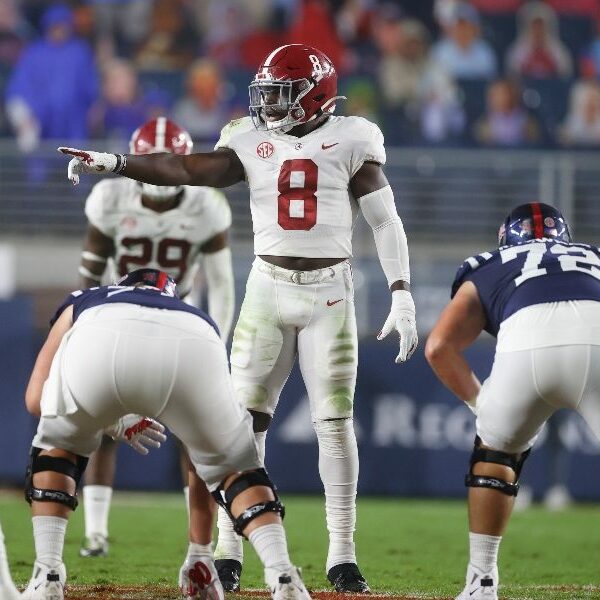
[221, 291]
[380, 212]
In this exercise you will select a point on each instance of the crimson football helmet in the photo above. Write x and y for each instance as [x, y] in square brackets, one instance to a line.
[533, 221]
[152, 278]
[160, 135]
[293, 85]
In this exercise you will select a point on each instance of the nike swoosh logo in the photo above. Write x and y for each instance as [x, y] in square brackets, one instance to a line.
[332, 302]
[327, 146]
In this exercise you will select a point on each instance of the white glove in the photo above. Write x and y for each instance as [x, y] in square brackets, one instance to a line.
[138, 432]
[87, 161]
[402, 319]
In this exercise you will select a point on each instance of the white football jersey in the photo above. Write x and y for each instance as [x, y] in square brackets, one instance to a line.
[144, 238]
[299, 186]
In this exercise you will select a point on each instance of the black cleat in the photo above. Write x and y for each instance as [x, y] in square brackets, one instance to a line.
[229, 571]
[346, 578]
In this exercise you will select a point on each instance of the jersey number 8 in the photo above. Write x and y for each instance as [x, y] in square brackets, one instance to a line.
[297, 200]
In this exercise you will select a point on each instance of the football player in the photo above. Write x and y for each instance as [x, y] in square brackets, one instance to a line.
[539, 294]
[164, 227]
[309, 172]
[8, 591]
[131, 348]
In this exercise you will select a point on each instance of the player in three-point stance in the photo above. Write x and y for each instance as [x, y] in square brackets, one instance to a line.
[135, 347]
[308, 172]
[539, 294]
[132, 225]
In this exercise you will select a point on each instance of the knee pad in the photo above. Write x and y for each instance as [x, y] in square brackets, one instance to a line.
[514, 461]
[38, 464]
[333, 435]
[260, 420]
[225, 498]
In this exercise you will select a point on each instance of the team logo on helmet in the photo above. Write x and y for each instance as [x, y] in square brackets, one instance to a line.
[265, 149]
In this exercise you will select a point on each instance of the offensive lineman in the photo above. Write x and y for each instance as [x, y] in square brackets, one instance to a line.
[135, 347]
[135, 225]
[308, 172]
[539, 294]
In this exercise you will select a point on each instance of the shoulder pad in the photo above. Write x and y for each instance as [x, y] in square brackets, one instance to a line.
[468, 267]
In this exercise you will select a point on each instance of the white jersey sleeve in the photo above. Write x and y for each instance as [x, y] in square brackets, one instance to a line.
[102, 205]
[231, 130]
[370, 144]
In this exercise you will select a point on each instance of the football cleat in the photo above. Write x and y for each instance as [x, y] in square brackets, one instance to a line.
[198, 579]
[95, 545]
[480, 585]
[347, 578]
[286, 585]
[229, 571]
[46, 583]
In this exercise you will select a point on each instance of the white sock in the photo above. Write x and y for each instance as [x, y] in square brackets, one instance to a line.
[186, 495]
[49, 538]
[271, 546]
[200, 550]
[96, 506]
[338, 468]
[6, 583]
[484, 551]
[229, 543]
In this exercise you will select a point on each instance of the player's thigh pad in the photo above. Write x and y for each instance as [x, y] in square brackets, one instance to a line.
[204, 413]
[328, 348]
[263, 349]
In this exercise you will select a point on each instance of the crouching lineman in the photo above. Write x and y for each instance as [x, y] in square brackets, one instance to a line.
[539, 294]
[135, 347]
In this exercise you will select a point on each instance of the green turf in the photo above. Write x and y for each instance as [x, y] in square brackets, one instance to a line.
[404, 546]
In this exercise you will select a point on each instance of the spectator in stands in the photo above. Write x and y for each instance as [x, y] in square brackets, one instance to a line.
[497, 7]
[538, 52]
[122, 107]
[582, 125]
[362, 99]
[171, 43]
[589, 65]
[203, 110]
[462, 51]
[506, 122]
[441, 115]
[404, 46]
[14, 32]
[53, 85]
[314, 26]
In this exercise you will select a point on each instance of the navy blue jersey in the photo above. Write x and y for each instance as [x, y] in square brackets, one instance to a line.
[536, 272]
[115, 294]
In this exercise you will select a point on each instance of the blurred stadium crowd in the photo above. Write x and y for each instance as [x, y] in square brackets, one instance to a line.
[499, 73]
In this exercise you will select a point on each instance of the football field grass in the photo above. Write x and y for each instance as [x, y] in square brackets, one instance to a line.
[406, 548]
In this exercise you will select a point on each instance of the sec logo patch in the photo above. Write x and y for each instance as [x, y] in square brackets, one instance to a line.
[265, 149]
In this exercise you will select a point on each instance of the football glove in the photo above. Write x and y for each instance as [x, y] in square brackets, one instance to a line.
[402, 319]
[87, 161]
[137, 431]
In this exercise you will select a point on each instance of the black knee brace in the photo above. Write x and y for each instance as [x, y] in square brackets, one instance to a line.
[514, 461]
[258, 477]
[38, 463]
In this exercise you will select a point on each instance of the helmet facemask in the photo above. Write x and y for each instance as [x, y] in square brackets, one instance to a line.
[160, 192]
[276, 104]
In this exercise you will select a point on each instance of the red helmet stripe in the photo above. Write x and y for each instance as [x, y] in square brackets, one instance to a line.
[538, 220]
[161, 282]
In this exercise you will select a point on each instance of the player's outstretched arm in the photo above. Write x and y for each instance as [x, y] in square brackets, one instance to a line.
[376, 199]
[457, 328]
[220, 168]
